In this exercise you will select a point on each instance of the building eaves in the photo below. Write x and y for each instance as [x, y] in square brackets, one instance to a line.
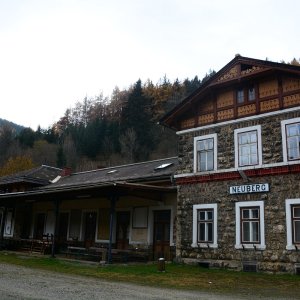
[139, 172]
[39, 175]
[184, 105]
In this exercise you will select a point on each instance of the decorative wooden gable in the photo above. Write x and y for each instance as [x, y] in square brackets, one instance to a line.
[244, 87]
[240, 70]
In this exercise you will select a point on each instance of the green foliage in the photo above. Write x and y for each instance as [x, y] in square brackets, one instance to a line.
[230, 284]
[17, 164]
[27, 137]
[17, 128]
[105, 131]
[7, 135]
[136, 120]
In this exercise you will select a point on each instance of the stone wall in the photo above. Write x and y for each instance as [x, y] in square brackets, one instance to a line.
[275, 258]
[271, 142]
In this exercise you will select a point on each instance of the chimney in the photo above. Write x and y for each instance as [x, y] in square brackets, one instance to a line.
[66, 171]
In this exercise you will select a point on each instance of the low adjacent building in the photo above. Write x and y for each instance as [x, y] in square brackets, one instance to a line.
[118, 208]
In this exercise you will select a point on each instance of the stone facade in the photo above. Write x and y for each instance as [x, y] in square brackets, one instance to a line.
[271, 141]
[275, 257]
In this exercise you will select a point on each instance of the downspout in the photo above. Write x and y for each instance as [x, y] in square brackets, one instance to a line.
[113, 199]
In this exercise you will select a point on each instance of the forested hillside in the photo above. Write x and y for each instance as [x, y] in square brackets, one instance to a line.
[101, 131]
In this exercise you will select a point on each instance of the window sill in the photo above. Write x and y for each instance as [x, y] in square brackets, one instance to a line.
[293, 247]
[251, 247]
[205, 245]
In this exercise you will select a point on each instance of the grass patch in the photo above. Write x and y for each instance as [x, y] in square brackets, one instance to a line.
[176, 276]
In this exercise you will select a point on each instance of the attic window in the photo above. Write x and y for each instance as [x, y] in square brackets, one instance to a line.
[112, 171]
[163, 166]
[245, 67]
[245, 94]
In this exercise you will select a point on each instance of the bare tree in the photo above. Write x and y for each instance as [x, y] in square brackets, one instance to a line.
[108, 149]
[129, 146]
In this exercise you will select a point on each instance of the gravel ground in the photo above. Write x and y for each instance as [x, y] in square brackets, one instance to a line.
[24, 283]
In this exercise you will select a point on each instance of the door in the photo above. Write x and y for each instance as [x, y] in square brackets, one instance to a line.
[39, 227]
[161, 234]
[90, 229]
[123, 223]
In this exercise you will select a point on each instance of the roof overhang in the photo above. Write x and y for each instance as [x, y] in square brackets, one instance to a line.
[268, 67]
[107, 189]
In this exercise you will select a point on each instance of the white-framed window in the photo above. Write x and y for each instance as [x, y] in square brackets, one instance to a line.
[292, 210]
[205, 153]
[205, 225]
[250, 224]
[248, 149]
[290, 130]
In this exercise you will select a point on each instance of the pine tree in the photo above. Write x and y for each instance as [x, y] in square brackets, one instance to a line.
[136, 116]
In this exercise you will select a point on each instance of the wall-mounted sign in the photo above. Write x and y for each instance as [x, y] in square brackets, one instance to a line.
[249, 188]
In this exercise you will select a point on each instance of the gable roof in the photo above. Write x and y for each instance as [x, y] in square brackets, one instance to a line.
[238, 69]
[149, 171]
[41, 175]
[155, 176]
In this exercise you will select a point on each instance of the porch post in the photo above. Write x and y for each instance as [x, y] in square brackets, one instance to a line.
[113, 200]
[56, 204]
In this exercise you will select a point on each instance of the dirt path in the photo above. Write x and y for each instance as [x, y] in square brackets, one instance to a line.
[24, 283]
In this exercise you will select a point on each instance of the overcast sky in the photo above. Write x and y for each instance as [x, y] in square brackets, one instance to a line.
[53, 53]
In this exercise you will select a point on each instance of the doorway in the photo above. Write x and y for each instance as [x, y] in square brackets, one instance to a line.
[25, 218]
[161, 234]
[63, 222]
[123, 224]
[90, 229]
[39, 227]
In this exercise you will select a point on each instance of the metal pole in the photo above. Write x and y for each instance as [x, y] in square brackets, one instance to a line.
[113, 200]
[56, 203]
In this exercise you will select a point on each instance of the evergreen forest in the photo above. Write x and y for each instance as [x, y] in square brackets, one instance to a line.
[100, 131]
